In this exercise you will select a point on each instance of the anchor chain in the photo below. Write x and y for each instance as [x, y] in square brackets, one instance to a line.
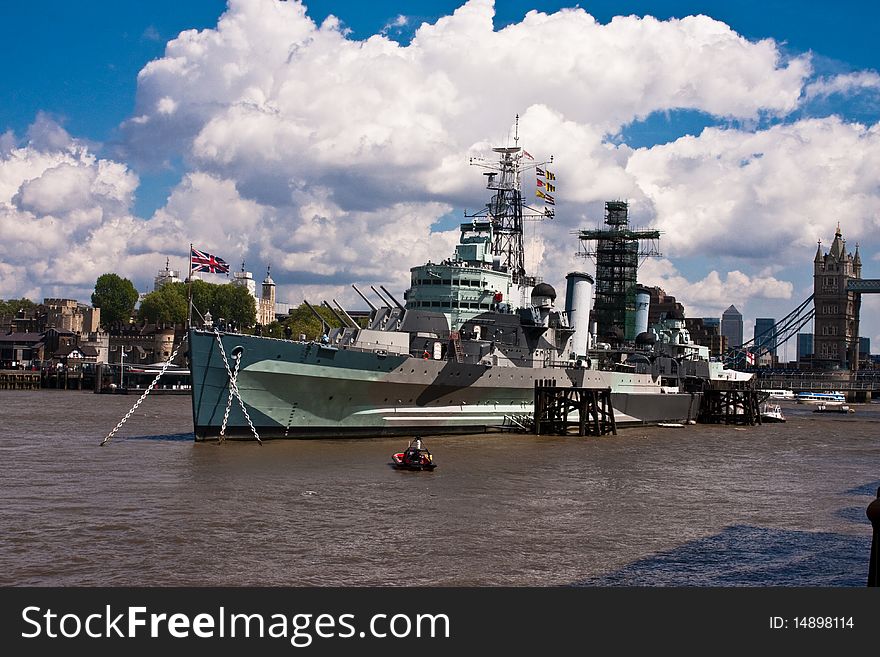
[237, 357]
[146, 392]
[233, 389]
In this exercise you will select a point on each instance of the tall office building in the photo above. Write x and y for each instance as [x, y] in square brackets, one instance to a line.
[765, 334]
[732, 327]
[804, 346]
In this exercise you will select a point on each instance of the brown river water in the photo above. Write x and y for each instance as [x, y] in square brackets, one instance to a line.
[772, 505]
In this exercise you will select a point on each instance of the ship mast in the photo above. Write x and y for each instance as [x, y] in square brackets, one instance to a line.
[506, 210]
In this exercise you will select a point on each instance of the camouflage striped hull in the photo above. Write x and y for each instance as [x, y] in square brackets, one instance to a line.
[308, 390]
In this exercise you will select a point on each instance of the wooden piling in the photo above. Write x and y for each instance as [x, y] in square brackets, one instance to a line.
[19, 380]
[730, 404]
[555, 407]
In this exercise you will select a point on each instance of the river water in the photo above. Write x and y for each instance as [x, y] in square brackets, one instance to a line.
[773, 505]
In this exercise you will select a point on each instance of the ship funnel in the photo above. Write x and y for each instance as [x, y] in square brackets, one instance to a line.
[643, 304]
[578, 301]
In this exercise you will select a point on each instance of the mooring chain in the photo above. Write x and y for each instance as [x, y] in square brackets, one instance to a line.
[165, 366]
[233, 388]
[237, 357]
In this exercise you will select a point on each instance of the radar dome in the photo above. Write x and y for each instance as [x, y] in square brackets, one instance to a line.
[544, 290]
[646, 337]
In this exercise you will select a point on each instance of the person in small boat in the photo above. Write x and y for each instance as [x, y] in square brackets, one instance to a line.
[414, 452]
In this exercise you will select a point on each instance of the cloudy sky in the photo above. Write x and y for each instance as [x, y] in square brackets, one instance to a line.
[330, 140]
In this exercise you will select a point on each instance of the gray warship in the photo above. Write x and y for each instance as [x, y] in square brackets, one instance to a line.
[461, 354]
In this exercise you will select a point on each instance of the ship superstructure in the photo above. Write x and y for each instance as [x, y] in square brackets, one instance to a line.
[487, 271]
[470, 283]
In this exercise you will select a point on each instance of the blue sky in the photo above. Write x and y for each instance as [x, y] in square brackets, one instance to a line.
[79, 61]
[76, 68]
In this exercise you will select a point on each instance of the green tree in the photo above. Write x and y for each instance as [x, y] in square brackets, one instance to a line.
[274, 330]
[234, 304]
[302, 320]
[169, 303]
[202, 299]
[116, 297]
[166, 305]
[11, 307]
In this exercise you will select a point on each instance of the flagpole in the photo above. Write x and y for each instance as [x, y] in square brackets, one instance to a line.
[189, 305]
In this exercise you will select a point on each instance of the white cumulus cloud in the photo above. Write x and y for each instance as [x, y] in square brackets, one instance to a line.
[56, 200]
[843, 84]
[299, 114]
[765, 193]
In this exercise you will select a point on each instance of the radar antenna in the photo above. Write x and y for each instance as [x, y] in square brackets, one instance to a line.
[507, 210]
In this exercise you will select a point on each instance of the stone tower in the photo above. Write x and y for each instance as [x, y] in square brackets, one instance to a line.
[836, 322]
[167, 276]
[245, 279]
[266, 305]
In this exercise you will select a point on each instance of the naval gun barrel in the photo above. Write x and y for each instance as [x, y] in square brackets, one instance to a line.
[318, 315]
[354, 324]
[384, 300]
[396, 302]
[335, 314]
[361, 294]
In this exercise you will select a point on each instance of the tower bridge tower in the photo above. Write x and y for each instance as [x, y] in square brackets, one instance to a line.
[836, 305]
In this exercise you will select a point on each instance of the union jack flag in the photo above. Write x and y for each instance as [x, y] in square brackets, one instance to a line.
[201, 261]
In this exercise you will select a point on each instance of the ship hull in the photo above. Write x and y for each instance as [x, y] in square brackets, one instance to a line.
[308, 390]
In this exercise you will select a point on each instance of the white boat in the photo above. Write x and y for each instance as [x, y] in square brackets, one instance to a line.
[828, 398]
[785, 395]
[833, 408]
[772, 413]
